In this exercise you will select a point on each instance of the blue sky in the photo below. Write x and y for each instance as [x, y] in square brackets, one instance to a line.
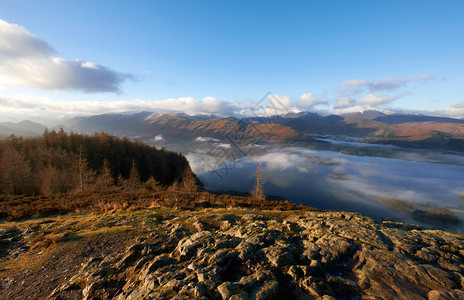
[86, 57]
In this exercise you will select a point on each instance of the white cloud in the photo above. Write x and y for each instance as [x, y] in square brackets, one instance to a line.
[376, 99]
[356, 86]
[206, 139]
[159, 137]
[32, 106]
[352, 86]
[308, 100]
[270, 105]
[17, 41]
[282, 161]
[344, 102]
[387, 83]
[456, 110]
[202, 164]
[372, 93]
[226, 146]
[360, 94]
[88, 65]
[277, 104]
[347, 109]
[27, 60]
[189, 105]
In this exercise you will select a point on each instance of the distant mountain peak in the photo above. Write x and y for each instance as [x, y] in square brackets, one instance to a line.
[168, 115]
[384, 111]
[207, 116]
[407, 118]
[28, 122]
[24, 128]
[300, 114]
[369, 114]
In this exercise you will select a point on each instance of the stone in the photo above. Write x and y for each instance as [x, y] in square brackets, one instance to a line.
[227, 289]
[446, 295]
[189, 245]
[267, 290]
[320, 255]
[158, 262]
[279, 257]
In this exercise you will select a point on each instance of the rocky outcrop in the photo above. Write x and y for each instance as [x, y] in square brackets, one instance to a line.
[312, 255]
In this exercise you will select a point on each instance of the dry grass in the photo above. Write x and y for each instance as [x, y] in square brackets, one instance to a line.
[20, 207]
[58, 246]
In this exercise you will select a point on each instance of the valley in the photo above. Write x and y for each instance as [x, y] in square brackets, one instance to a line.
[231, 150]
[365, 154]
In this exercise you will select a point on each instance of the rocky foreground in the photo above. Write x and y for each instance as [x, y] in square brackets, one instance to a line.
[243, 254]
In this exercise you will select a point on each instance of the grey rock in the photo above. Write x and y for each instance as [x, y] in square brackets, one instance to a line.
[227, 289]
[320, 255]
[189, 245]
[279, 257]
[267, 291]
[446, 295]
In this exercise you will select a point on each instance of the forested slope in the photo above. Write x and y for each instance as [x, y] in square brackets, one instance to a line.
[58, 162]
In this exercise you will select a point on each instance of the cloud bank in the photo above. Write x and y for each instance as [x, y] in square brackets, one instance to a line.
[356, 86]
[455, 110]
[27, 105]
[353, 95]
[308, 101]
[280, 161]
[26, 60]
[372, 93]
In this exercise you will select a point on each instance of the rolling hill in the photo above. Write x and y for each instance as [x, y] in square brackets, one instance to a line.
[180, 126]
[408, 118]
[289, 128]
[24, 128]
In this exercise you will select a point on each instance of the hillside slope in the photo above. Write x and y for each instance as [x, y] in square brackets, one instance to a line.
[58, 162]
[174, 129]
[182, 127]
[24, 128]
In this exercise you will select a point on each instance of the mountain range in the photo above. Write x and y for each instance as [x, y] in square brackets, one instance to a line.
[24, 128]
[287, 128]
[180, 126]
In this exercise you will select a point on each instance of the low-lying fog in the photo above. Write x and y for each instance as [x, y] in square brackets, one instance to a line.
[421, 189]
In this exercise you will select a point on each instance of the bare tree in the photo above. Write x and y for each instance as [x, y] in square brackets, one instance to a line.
[104, 179]
[133, 182]
[50, 179]
[86, 177]
[15, 175]
[153, 184]
[258, 191]
[189, 181]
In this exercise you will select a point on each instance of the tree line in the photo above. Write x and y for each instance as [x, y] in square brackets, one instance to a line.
[58, 162]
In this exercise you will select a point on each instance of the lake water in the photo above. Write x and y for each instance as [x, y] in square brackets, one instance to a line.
[358, 184]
